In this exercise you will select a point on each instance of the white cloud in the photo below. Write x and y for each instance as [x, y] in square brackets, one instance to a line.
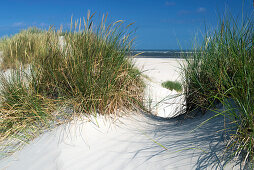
[187, 12]
[169, 3]
[43, 24]
[18, 24]
[184, 12]
[201, 10]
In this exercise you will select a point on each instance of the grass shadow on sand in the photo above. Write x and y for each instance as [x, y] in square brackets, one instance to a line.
[175, 142]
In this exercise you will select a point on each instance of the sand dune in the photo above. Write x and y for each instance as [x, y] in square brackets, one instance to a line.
[137, 141]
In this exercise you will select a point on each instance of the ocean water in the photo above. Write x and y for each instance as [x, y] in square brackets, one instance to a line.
[161, 53]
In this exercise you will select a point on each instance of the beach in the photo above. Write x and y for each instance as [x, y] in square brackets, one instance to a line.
[151, 87]
[137, 140]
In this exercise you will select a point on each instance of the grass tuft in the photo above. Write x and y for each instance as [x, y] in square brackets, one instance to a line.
[172, 85]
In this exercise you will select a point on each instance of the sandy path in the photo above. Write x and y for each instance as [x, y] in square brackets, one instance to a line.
[161, 101]
[128, 144]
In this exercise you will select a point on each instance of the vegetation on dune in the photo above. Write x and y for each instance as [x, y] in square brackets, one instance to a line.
[22, 47]
[22, 109]
[2, 42]
[87, 68]
[88, 71]
[221, 70]
[97, 61]
[172, 85]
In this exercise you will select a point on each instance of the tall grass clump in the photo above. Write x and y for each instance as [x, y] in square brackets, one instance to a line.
[21, 47]
[88, 65]
[222, 70]
[88, 69]
[91, 68]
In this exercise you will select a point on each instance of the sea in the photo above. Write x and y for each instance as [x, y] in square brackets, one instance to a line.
[161, 53]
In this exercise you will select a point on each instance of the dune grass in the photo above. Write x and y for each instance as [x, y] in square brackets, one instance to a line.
[172, 85]
[23, 111]
[221, 70]
[22, 47]
[2, 42]
[88, 70]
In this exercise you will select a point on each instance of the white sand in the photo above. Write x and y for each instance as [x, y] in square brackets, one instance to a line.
[161, 101]
[132, 142]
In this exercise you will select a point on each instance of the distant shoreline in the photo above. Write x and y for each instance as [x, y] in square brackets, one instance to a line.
[147, 56]
[160, 53]
[175, 57]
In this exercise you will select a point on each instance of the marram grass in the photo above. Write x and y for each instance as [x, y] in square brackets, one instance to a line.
[22, 47]
[222, 70]
[86, 69]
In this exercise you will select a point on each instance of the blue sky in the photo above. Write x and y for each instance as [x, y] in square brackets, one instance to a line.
[161, 24]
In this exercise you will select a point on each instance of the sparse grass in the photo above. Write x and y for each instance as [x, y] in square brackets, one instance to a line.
[221, 69]
[89, 71]
[24, 112]
[2, 42]
[172, 85]
[22, 47]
